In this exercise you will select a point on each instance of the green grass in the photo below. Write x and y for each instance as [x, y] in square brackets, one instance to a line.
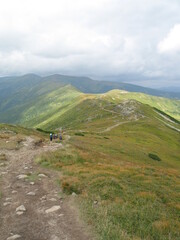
[122, 192]
[47, 106]
[169, 106]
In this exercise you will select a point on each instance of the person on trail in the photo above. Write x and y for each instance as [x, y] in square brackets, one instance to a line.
[51, 136]
[60, 137]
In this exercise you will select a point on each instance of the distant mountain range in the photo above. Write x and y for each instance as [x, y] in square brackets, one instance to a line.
[84, 84]
[170, 89]
[36, 101]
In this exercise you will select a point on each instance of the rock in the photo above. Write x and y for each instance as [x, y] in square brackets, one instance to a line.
[41, 175]
[19, 213]
[31, 194]
[95, 202]
[6, 204]
[22, 176]
[43, 198]
[16, 236]
[26, 168]
[74, 194]
[21, 208]
[61, 215]
[31, 183]
[54, 238]
[8, 199]
[2, 164]
[14, 192]
[53, 209]
[53, 199]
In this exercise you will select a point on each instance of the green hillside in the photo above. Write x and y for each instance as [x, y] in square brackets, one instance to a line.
[50, 106]
[67, 107]
[37, 101]
[10, 85]
[169, 106]
[122, 161]
[120, 155]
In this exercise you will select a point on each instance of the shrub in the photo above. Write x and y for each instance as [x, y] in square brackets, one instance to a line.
[79, 134]
[154, 157]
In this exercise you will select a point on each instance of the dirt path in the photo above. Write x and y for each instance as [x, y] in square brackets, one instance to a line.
[42, 213]
[113, 126]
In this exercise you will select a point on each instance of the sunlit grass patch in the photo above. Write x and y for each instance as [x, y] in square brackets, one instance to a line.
[147, 195]
[162, 225]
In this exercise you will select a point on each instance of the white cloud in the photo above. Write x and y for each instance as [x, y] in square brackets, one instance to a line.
[171, 43]
[83, 37]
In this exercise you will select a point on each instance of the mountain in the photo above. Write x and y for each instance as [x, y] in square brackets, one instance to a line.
[84, 84]
[119, 155]
[170, 89]
[40, 102]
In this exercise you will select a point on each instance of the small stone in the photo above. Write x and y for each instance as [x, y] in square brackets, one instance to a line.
[31, 194]
[95, 202]
[6, 204]
[53, 199]
[21, 208]
[61, 215]
[41, 175]
[19, 213]
[16, 236]
[43, 198]
[8, 199]
[31, 183]
[22, 176]
[14, 191]
[26, 168]
[53, 209]
[55, 238]
[74, 194]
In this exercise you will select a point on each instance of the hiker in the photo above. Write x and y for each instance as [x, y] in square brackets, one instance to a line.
[51, 136]
[60, 137]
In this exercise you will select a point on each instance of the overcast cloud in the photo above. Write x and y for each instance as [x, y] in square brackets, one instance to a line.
[97, 38]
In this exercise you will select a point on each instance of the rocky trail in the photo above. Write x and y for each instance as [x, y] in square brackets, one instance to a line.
[31, 207]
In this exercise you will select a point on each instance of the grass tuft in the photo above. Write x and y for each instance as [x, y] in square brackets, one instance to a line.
[154, 157]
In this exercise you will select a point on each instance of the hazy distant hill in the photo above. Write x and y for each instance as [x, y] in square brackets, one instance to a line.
[84, 84]
[170, 89]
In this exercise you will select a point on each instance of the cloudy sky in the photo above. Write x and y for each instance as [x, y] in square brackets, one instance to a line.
[136, 39]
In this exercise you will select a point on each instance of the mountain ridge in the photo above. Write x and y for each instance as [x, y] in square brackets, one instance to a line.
[86, 84]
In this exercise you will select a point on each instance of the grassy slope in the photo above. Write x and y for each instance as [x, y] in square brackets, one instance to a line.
[35, 101]
[122, 192]
[18, 94]
[83, 109]
[51, 106]
[169, 106]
